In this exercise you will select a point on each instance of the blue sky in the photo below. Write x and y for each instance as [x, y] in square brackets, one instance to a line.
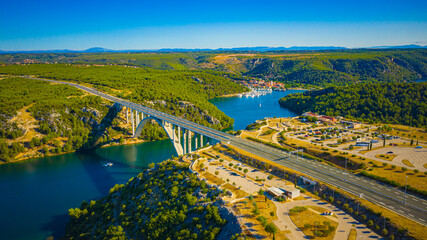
[125, 24]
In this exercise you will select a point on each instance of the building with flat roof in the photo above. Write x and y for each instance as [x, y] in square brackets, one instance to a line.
[275, 192]
[291, 192]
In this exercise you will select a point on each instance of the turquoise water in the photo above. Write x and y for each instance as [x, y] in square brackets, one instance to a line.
[245, 111]
[35, 195]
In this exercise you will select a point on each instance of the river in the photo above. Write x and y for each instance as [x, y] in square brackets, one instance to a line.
[35, 195]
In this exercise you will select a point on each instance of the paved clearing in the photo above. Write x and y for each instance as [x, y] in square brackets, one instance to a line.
[345, 221]
[418, 157]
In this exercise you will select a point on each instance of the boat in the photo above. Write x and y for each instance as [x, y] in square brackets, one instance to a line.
[108, 164]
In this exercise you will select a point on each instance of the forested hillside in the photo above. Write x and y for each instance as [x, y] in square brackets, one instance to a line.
[66, 119]
[295, 68]
[167, 202]
[402, 103]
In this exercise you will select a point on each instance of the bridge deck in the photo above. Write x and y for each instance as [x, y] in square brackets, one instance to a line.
[383, 195]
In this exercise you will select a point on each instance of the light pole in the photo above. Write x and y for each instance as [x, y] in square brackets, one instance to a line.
[406, 185]
[345, 174]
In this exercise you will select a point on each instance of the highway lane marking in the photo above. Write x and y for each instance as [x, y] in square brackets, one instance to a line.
[388, 189]
[421, 219]
[411, 215]
[204, 130]
[415, 199]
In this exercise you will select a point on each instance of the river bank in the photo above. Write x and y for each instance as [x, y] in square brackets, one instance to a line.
[58, 183]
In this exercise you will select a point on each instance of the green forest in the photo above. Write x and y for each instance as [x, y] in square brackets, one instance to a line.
[166, 202]
[294, 68]
[399, 103]
[66, 112]
[184, 93]
[61, 111]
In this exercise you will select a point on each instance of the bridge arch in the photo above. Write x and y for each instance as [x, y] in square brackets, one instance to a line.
[168, 129]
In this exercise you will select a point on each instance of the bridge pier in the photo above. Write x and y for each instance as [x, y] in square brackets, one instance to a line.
[137, 116]
[127, 114]
[133, 122]
[189, 141]
[184, 134]
[181, 138]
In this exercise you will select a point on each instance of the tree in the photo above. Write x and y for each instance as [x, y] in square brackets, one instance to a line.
[245, 170]
[216, 172]
[151, 165]
[270, 228]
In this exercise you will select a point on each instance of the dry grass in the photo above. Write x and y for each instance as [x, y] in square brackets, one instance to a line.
[415, 180]
[408, 132]
[387, 157]
[352, 235]
[245, 208]
[407, 163]
[24, 120]
[298, 123]
[310, 217]
[321, 210]
[236, 191]
[268, 137]
[248, 133]
[212, 178]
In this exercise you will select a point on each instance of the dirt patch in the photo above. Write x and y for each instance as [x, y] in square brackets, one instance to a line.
[27, 122]
[213, 179]
[311, 222]
[238, 193]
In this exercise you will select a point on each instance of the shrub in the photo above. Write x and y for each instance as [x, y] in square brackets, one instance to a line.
[370, 223]
[216, 172]
[404, 169]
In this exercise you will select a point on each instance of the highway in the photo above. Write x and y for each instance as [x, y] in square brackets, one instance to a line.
[415, 208]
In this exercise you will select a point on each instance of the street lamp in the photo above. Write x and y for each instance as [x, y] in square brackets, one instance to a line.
[345, 174]
[406, 185]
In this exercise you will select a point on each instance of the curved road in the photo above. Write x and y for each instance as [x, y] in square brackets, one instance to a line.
[414, 208]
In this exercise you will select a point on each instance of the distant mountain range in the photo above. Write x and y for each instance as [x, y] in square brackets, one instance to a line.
[255, 49]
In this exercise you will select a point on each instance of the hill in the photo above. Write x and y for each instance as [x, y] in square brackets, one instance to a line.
[400, 103]
[167, 202]
[38, 118]
[295, 68]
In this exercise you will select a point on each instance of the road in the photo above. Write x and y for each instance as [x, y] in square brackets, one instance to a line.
[391, 198]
